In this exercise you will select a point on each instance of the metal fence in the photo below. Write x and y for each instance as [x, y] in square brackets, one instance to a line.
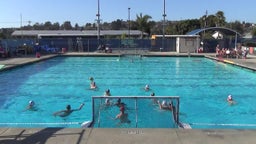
[90, 44]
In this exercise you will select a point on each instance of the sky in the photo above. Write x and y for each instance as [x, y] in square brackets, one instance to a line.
[16, 13]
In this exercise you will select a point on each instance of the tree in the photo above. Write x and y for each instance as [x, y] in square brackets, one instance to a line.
[6, 33]
[105, 26]
[38, 26]
[47, 25]
[116, 25]
[203, 21]
[220, 19]
[66, 25]
[151, 24]
[27, 27]
[157, 28]
[186, 26]
[143, 23]
[77, 27]
[253, 32]
[211, 21]
[237, 26]
[217, 20]
[89, 26]
[56, 26]
[2, 36]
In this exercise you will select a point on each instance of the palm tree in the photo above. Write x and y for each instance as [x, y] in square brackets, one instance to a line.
[143, 23]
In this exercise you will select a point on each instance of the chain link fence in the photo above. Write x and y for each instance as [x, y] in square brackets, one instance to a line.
[85, 44]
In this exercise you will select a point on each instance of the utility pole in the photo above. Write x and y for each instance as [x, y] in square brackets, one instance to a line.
[205, 21]
[163, 39]
[98, 23]
[21, 26]
[129, 27]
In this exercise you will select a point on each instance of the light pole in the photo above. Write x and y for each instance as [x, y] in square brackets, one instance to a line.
[21, 27]
[129, 26]
[98, 23]
[163, 39]
[205, 25]
[205, 21]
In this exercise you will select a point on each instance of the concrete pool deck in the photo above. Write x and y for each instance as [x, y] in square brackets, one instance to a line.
[126, 135]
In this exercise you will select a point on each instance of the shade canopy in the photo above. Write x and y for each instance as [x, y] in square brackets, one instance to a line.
[225, 31]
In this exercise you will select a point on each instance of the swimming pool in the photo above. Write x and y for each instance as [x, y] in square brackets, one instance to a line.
[202, 85]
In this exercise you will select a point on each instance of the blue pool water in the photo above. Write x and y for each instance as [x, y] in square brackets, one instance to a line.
[202, 85]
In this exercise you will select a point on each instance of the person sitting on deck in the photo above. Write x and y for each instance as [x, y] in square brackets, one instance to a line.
[102, 48]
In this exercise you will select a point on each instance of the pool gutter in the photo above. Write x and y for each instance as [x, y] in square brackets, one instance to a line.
[232, 62]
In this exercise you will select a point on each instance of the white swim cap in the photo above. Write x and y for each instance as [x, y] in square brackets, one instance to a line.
[31, 103]
[229, 97]
[164, 102]
[107, 101]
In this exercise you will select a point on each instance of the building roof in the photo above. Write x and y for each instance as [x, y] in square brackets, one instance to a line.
[73, 32]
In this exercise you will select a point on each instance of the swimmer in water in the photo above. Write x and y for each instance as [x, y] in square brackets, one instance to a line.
[146, 88]
[107, 93]
[67, 111]
[118, 116]
[230, 100]
[153, 99]
[119, 103]
[92, 84]
[165, 106]
[31, 106]
[107, 102]
[123, 116]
